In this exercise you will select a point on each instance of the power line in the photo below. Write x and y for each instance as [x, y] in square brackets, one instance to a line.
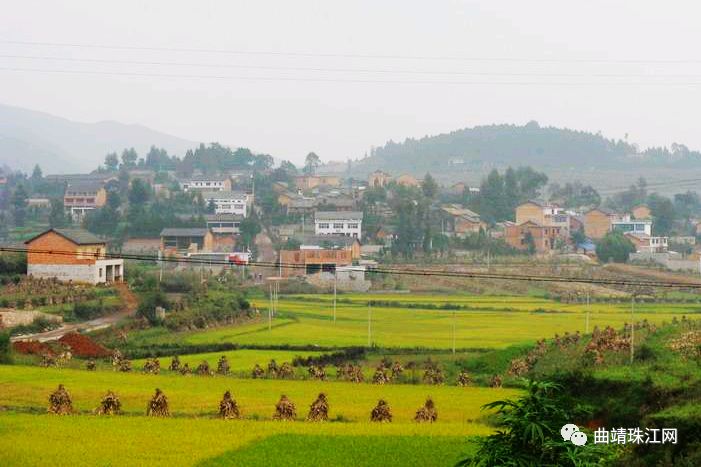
[395, 271]
[346, 70]
[349, 55]
[349, 80]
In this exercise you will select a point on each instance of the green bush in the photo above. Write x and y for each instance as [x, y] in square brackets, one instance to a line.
[5, 348]
[149, 302]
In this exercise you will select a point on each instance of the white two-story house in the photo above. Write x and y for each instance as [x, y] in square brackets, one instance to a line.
[227, 202]
[206, 184]
[348, 223]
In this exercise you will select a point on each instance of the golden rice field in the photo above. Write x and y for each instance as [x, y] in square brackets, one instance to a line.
[30, 437]
[485, 322]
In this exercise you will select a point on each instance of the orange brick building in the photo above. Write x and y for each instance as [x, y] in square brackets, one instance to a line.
[598, 222]
[72, 255]
[544, 236]
[305, 262]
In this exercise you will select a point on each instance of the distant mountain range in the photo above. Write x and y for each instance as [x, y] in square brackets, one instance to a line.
[482, 148]
[59, 145]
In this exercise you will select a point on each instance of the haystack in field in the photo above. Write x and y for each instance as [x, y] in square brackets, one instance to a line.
[317, 372]
[110, 405]
[60, 402]
[257, 372]
[124, 365]
[381, 413]
[427, 413]
[228, 408]
[464, 379]
[380, 376]
[223, 366]
[319, 410]
[152, 366]
[158, 405]
[203, 369]
[174, 363]
[285, 371]
[285, 409]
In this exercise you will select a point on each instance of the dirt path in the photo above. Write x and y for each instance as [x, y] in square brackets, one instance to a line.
[130, 304]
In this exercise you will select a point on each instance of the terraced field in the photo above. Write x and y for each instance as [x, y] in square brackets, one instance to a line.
[417, 321]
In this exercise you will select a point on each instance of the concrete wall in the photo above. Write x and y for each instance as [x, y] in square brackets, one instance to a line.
[667, 260]
[84, 273]
[15, 318]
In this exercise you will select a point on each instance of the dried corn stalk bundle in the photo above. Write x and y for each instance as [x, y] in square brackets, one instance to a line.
[257, 372]
[228, 408]
[116, 358]
[223, 366]
[319, 410]
[203, 369]
[397, 370]
[124, 365]
[380, 376]
[47, 360]
[158, 405]
[317, 372]
[495, 382]
[427, 413]
[464, 379]
[285, 409]
[60, 402]
[90, 365]
[272, 368]
[152, 366]
[174, 363]
[185, 370]
[433, 375]
[355, 374]
[381, 413]
[285, 371]
[110, 405]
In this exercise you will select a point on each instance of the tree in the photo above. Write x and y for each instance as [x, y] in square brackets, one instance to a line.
[530, 242]
[211, 207]
[429, 186]
[663, 214]
[19, 205]
[111, 162]
[57, 216]
[129, 157]
[311, 163]
[249, 228]
[529, 431]
[138, 193]
[37, 175]
[614, 247]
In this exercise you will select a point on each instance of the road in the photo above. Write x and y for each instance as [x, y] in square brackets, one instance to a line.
[130, 305]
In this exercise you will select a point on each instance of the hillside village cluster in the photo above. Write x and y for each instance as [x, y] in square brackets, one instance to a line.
[322, 236]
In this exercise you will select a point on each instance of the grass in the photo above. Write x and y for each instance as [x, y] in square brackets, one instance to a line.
[351, 451]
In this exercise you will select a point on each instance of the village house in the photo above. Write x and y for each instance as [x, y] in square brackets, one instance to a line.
[83, 197]
[457, 221]
[347, 223]
[227, 202]
[378, 179]
[331, 242]
[544, 214]
[206, 183]
[641, 212]
[407, 180]
[644, 243]
[307, 182]
[598, 221]
[78, 256]
[224, 228]
[544, 237]
[175, 241]
[626, 224]
[313, 261]
[38, 203]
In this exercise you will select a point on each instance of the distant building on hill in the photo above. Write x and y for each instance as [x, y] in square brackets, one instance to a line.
[348, 223]
[186, 240]
[227, 202]
[78, 256]
[82, 197]
[378, 179]
[206, 183]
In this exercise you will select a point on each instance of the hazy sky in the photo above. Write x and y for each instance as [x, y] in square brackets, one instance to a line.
[339, 77]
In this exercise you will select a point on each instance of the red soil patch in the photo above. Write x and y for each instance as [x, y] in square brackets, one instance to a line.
[82, 346]
[32, 347]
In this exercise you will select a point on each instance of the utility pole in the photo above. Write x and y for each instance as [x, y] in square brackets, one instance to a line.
[587, 320]
[270, 308]
[160, 261]
[632, 328]
[335, 281]
[369, 325]
[454, 315]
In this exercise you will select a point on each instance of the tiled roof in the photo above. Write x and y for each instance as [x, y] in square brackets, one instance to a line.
[84, 187]
[223, 194]
[77, 236]
[183, 232]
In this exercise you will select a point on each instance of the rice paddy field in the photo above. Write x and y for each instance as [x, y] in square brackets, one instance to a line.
[405, 320]
[30, 437]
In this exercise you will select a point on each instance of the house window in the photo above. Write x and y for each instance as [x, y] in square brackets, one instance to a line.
[338, 226]
[323, 225]
[352, 226]
[100, 270]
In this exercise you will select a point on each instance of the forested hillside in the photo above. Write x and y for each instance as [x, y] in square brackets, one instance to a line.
[530, 144]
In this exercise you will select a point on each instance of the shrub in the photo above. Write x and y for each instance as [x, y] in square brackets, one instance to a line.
[148, 305]
[5, 347]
